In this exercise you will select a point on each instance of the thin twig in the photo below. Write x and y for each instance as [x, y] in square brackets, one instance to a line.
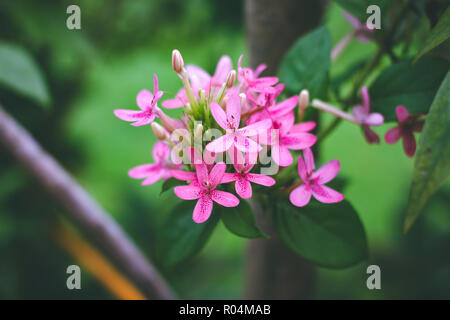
[82, 208]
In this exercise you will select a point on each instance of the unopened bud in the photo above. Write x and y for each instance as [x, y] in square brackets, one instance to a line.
[303, 100]
[243, 100]
[177, 61]
[231, 78]
[198, 132]
[159, 131]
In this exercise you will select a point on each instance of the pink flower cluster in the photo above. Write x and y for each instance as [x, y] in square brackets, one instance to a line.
[250, 121]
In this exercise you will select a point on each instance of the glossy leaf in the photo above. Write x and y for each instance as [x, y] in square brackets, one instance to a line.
[329, 235]
[180, 237]
[19, 73]
[240, 220]
[439, 34]
[432, 163]
[307, 63]
[408, 84]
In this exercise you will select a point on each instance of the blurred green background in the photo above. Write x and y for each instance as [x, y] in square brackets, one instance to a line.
[103, 66]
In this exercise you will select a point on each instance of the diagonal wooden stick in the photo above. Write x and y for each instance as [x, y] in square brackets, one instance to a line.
[82, 208]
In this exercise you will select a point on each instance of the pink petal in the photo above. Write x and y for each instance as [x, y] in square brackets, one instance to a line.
[219, 115]
[221, 144]
[327, 172]
[282, 156]
[370, 135]
[225, 199]
[129, 115]
[409, 144]
[223, 68]
[216, 174]
[234, 110]
[374, 119]
[393, 135]
[200, 79]
[360, 114]
[189, 192]
[194, 155]
[262, 83]
[243, 188]
[237, 159]
[300, 196]
[202, 173]
[144, 100]
[183, 175]
[402, 113]
[261, 179]
[161, 151]
[173, 103]
[245, 144]
[309, 160]
[259, 69]
[144, 121]
[303, 127]
[256, 127]
[299, 141]
[301, 169]
[325, 194]
[154, 177]
[155, 84]
[202, 209]
[229, 177]
[284, 107]
[365, 99]
[143, 171]
[352, 20]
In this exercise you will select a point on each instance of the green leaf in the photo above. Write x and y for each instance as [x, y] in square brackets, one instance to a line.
[306, 64]
[19, 73]
[330, 235]
[358, 8]
[182, 238]
[170, 184]
[411, 85]
[438, 35]
[432, 163]
[240, 220]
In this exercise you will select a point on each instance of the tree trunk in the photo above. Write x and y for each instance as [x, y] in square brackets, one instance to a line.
[272, 270]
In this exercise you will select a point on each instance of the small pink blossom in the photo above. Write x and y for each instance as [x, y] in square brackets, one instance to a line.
[230, 122]
[313, 181]
[249, 78]
[204, 189]
[146, 101]
[290, 137]
[407, 125]
[366, 119]
[161, 169]
[243, 177]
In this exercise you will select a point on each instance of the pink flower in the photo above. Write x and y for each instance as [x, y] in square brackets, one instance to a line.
[363, 33]
[200, 79]
[204, 189]
[407, 125]
[146, 101]
[230, 122]
[291, 137]
[366, 119]
[243, 177]
[313, 181]
[159, 170]
[250, 81]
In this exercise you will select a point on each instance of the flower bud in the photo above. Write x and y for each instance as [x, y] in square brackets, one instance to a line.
[243, 100]
[177, 61]
[231, 78]
[158, 130]
[303, 100]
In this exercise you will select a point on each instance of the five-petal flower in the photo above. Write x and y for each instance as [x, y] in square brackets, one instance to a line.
[204, 189]
[366, 119]
[313, 181]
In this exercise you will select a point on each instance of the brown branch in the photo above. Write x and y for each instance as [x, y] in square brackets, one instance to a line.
[81, 207]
